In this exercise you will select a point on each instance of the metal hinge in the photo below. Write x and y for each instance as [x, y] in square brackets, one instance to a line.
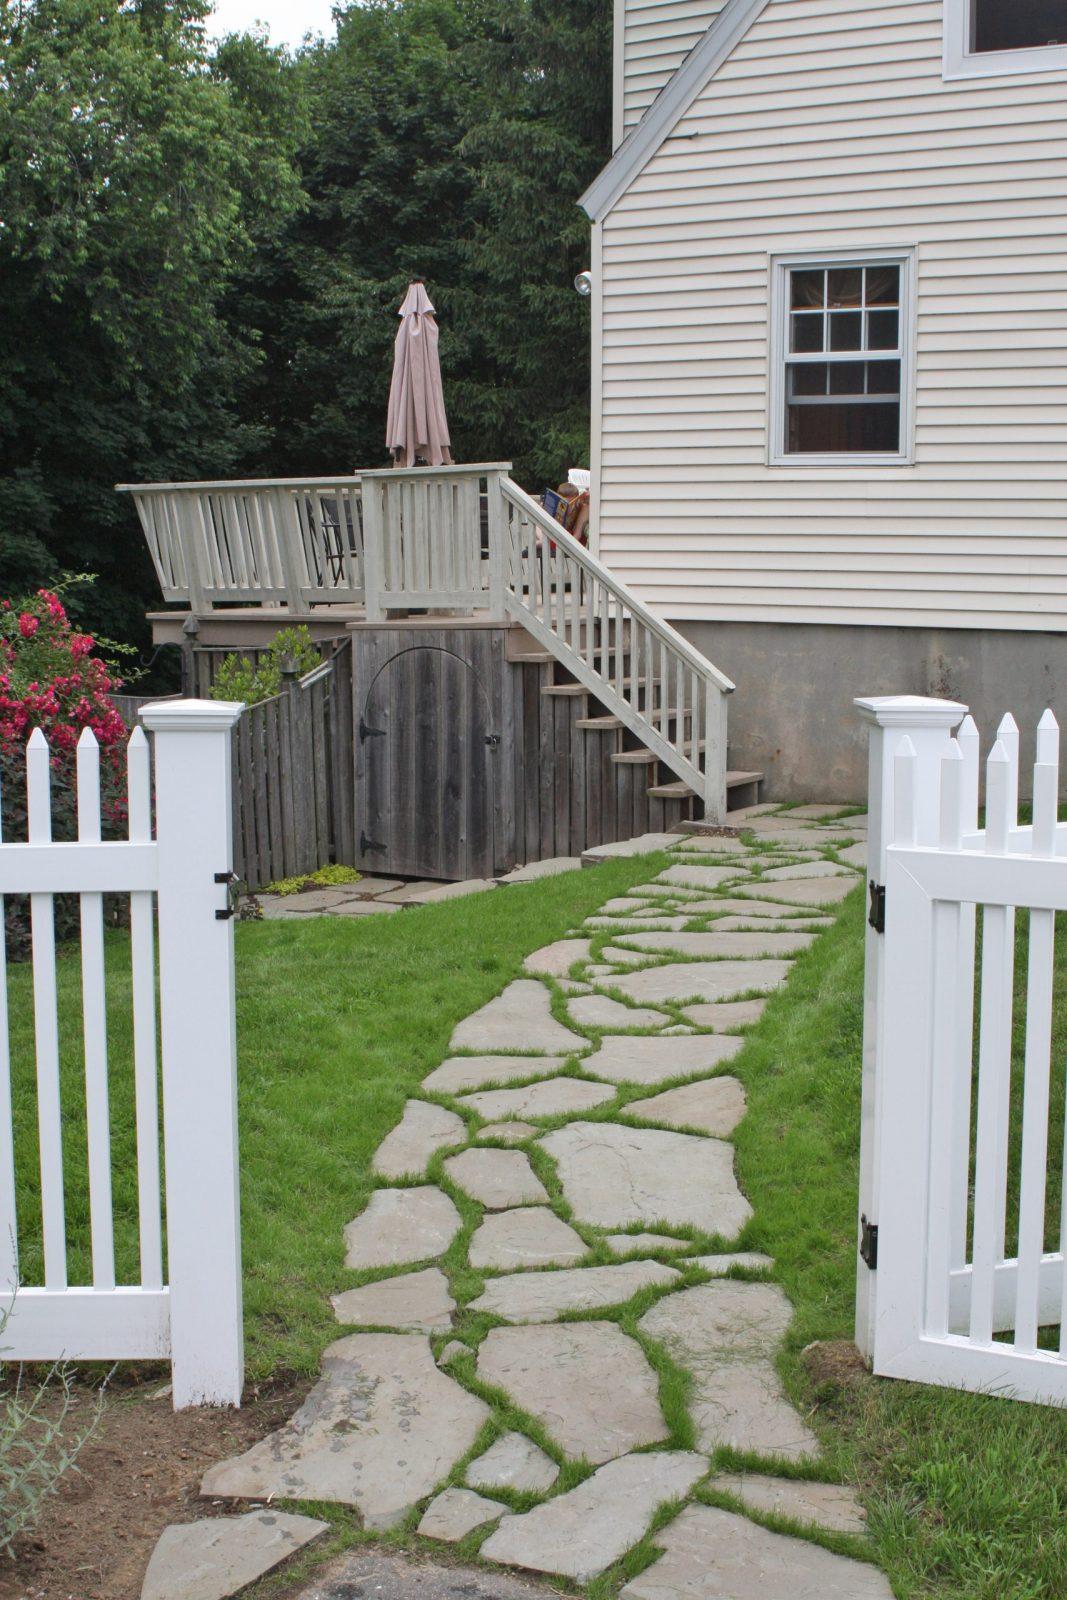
[492, 739]
[233, 895]
[369, 733]
[366, 845]
[869, 1244]
[876, 918]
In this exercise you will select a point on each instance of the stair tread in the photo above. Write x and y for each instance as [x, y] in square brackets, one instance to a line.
[598, 724]
[678, 788]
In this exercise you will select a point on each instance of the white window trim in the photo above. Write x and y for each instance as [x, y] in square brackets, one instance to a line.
[960, 61]
[780, 266]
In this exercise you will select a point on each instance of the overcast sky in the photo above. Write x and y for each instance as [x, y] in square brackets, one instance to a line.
[286, 20]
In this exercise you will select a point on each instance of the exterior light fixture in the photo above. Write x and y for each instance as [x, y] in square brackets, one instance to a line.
[584, 284]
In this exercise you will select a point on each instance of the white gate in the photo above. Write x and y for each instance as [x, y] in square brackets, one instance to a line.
[177, 879]
[962, 1279]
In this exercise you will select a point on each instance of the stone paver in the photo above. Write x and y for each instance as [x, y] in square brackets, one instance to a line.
[817, 812]
[457, 1512]
[452, 1350]
[621, 1059]
[716, 1555]
[587, 1383]
[551, 1097]
[625, 1244]
[387, 1575]
[747, 946]
[719, 1265]
[497, 1178]
[556, 960]
[452, 891]
[827, 1505]
[705, 980]
[726, 1335]
[714, 1105]
[807, 891]
[218, 1556]
[364, 908]
[694, 875]
[551, 867]
[580, 1534]
[622, 925]
[749, 907]
[513, 1462]
[507, 1132]
[753, 924]
[423, 1130]
[531, 1236]
[624, 905]
[377, 1432]
[806, 869]
[600, 1011]
[475, 1072]
[400, 1226]
[543, 1296]
[417, 1301]
[714, 843]
[643, 845]
[726, 1015]
[666, 891]
[613, 1176]
[855, 855]
[410, 894]
[520, 1018]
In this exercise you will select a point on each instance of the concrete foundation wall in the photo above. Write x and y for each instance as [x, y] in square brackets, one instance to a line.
[792, 716]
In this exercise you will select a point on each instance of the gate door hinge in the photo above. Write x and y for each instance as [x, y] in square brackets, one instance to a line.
[369, 733]
[877, 912]
[869, 1244]
[233, 895]
[492, 740]
[367, 845]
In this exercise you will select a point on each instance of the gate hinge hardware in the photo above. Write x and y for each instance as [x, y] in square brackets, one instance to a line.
[869, 1244]
[366, 845]
[366, 733]
[877, 912]
[233, 895]
[492, 739]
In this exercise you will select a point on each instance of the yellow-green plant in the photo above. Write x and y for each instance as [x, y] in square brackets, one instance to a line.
[323, 878]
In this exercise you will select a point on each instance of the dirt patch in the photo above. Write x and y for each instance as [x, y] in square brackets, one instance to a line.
[140, 1471]
[834, 1364]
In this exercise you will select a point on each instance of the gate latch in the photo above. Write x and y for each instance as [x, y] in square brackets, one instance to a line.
[366, 733]
[869, 1244]
[233, 895]
[876, 917]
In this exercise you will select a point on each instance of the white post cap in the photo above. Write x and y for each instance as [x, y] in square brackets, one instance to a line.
[910, 711]
[190, 716]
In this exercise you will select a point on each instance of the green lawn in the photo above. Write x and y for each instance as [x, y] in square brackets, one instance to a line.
[338, 1023]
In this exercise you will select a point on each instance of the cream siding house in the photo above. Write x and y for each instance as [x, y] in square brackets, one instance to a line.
[830, 355]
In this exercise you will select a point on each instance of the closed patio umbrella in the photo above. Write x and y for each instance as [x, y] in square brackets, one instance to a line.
[417, 428]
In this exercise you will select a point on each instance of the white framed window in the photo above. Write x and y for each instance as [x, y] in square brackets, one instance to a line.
[841, 359]
[989, 38]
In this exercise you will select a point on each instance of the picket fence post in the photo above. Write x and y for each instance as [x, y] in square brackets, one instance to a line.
[928, 724]
[198, 1047]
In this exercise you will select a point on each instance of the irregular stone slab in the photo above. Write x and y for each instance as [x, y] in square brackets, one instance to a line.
[543, 1296]
[587, 1383]
[727, 1334]
[600, 1011]
[725, 844]
[803, 838]
[719, 1266]
[818, 812]
[751, 906]
[714, 1105]
[704, 980]
[377, 1432]
[519, 1019]
[532, 1236]
[321, 899]
[748, 946]
[513, 1462]
[622, 925]
[827, 1505]
[400, 1226]
[614, 1175]
[623, 905]
[696, 876]
[214, 1558]
[635, 1060]
[452, 1350]
[715, 1555]
[455, 1513]
[725, 1016]
[552, 1097]
[507, 1132]
[556, 960]
[497, 1178]
[364, 908]
[580, 1534]
[807, 891]
[625, 1244]
[643, 845]
[474, 1072]
[572, 986]
[665, 891]
[452, 891]
[753, 924]
[422, 1130]
[549, 868]
[411, 893]
[806, 870]
[387, 1575]
[624, 958]
[855, 855]
[417, 1301]
[372, 886]
[857, 820]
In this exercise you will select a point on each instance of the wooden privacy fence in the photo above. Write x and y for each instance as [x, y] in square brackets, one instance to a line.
[964, 1223]
[183, 1301]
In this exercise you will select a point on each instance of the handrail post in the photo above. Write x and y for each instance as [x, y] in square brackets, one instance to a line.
[194, 822]
[495, 507]
[714, 754]
[373, 553]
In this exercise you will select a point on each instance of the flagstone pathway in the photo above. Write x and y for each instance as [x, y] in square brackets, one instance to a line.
[555, 1240]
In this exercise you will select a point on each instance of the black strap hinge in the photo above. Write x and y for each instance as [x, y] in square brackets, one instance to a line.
[233, 895]
[367, 845]
[366, 733]
[869, 1244]
[876, 917]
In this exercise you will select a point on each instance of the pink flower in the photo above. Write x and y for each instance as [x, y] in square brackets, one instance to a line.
[28, 625]
[80, 645]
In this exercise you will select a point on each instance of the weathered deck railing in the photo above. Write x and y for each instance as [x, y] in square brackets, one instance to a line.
[461, 538]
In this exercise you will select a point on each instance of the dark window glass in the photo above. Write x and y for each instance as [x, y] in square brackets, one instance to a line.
[807, 288]
[844, 286]
[846, 330]
[808, 377]
[882, 330]
[807, 331]
[883, 286]
[846, 377]
[883, 377]
[1018, 24]
[845, 428]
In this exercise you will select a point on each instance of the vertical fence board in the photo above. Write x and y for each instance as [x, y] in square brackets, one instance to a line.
[46, 1025]
[94, 1030]
[145, 1053]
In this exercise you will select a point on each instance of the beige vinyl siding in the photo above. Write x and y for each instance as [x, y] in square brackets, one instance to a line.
[656, 37]
[830, 128]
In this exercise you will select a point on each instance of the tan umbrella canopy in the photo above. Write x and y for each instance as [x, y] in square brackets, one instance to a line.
[417, 428]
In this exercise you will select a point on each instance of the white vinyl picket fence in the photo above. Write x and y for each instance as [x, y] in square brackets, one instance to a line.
[962, 1281]
[185, 1302]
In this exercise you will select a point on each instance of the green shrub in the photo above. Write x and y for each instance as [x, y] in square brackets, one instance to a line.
[324, 878]
[240, 678]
